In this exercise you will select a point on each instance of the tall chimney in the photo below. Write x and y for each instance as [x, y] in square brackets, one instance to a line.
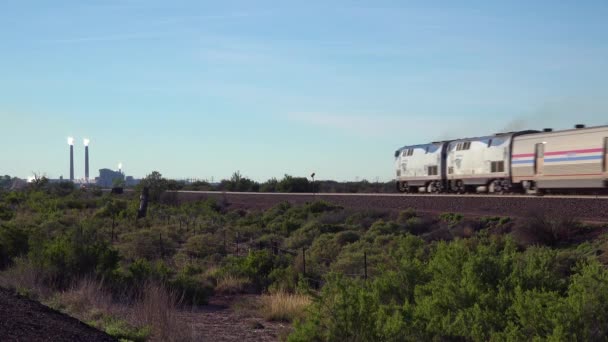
[86, 163]
[71, 163]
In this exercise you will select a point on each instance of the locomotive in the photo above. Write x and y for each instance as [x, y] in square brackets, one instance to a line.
[515, 162]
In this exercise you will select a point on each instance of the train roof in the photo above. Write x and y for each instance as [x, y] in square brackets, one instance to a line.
[423, 145]
[502, 134]
[551, 131]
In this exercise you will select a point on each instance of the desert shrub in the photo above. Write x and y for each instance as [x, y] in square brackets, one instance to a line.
[293, 184]
[545, 230]
[6, 213]
[322, 253]
[406, 215]
[112, 208]
[284, 279]
[494, 221]
[346, 237]
[142, 271]
[191, 289]
[148, 243]
[417, 225]
[286, 226]
[451, 218]
[365, 218]
[478, 289]
[348, 310]
[72, 255]
[275, 212]
[303, 236]
[256, 266]
[382, 228]
[350, 260]
[13, 243]
[267, 240]
[333, 217]
[319, 206]
[204, 245]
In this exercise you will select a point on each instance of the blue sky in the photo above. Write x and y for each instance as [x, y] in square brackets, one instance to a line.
[204, 88]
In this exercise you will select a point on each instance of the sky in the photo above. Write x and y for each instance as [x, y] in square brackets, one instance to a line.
[200, 89]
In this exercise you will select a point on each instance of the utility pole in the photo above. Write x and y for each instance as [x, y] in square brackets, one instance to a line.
[313, 186]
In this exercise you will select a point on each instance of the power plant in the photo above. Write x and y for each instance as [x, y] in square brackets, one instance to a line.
[71, 143]
[106, 178]
[86, 159]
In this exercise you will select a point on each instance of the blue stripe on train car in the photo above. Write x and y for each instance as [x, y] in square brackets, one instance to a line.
[573, 159]
[522, 162]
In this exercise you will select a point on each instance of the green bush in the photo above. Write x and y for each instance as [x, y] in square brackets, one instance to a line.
[346, 237]
[13, 243]
[73, 255]
[478, 289]
[204, 245]
[257, 266]
[6, 213]
[451, 218]
[406, 215]
[191, 289]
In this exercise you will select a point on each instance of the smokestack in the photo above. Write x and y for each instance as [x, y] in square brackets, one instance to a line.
[86, 160]
[86, 163]
[71, 143]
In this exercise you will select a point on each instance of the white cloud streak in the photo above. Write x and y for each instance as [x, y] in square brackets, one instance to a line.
[106, 38]
[366, 126]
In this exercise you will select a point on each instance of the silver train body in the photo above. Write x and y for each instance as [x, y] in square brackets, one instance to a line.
[525, 161]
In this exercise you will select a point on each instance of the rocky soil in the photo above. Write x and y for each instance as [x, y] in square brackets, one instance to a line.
[22, 319]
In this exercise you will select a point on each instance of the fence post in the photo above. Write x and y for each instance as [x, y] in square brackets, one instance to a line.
[365, 263]
[225, 250]
[160, 240]
[304, 260]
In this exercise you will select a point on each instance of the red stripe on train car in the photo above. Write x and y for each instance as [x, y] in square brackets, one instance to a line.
[521, 155]
[560, 175]
[588, 150]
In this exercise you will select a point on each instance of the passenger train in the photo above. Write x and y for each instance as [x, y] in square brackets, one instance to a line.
[526, 161]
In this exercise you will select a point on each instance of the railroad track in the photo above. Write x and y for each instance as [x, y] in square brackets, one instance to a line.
[330, 194]
[583, 207]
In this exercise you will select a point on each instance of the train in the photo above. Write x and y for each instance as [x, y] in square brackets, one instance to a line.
[527, 161]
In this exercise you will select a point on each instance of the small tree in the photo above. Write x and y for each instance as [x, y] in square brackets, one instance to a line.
[156, 183]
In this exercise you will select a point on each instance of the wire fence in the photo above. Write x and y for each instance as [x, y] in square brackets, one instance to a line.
[312, 270]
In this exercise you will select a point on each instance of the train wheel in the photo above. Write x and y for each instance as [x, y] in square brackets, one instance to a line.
[460, 186]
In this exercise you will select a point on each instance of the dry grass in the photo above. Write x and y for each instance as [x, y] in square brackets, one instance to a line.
[158, 309]
[154, 315]
[283, 306]
[229, 284]
[83, 299]
[25, 279]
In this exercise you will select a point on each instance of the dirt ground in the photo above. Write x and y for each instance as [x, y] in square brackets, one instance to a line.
[225, 318]
[233, 318]
[22, 319]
